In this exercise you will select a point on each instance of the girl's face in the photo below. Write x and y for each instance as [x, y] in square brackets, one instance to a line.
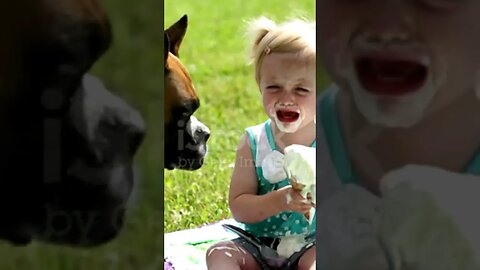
[288, 90]
[400, 60]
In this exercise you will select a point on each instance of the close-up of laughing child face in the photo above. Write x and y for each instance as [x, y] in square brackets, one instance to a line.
[288, 90]
[401, 61]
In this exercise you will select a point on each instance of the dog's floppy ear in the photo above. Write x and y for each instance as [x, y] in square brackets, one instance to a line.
[176, 32]
[166, 49]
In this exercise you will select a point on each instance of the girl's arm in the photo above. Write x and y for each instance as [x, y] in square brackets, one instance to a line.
[248, 207]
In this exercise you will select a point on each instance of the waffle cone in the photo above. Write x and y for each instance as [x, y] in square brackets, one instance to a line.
[298, 187]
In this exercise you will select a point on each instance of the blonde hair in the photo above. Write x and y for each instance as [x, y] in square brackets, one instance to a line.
[294, 36]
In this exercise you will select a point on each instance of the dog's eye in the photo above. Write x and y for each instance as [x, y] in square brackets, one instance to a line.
[182, 113]
[189, 107]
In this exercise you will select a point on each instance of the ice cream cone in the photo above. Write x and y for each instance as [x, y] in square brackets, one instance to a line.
[298, 187]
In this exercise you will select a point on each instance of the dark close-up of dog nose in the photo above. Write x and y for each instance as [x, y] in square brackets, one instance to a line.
[100, 177]
[187, 150]
[201, 132]
[67, 142]
[74, 188]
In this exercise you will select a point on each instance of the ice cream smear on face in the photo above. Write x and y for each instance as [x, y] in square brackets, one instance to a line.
[387, 74]
[391, 86]
[287, 117]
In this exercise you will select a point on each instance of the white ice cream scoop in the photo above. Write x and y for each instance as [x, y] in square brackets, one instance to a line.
[298, 164]
[430, 219]
[425, 219]
[300, 167]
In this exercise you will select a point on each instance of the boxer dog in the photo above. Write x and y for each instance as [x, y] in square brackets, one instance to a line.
[67, 144]
[185, 136]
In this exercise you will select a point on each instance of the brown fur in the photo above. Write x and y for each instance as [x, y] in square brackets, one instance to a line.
[181, 101]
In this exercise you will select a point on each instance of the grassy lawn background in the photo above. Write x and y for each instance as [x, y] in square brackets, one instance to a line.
[214, 50]
[132, 68]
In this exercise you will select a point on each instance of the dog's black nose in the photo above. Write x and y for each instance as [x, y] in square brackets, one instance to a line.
[202, 134]
[197, 130]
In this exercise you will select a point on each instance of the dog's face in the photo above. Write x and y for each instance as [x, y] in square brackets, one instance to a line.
[67, 144]
[185, 136]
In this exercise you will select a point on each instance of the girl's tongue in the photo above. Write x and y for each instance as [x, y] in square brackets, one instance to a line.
[287, 116]
[391, 77]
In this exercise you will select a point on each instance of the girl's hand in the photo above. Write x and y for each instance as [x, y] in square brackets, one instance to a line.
[290, 200]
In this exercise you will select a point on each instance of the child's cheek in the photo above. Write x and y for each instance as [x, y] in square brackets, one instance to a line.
[269, 104]
[335, 56]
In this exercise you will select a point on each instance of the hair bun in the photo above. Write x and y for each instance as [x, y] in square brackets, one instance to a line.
[259, 28]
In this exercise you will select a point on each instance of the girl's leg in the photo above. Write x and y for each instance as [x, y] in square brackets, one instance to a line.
[230, 255]
[308, 261]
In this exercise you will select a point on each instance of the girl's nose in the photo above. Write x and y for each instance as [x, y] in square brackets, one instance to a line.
[287, 97]
[388, 21]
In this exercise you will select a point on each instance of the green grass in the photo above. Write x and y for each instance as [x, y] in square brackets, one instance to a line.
[131, 68]
[214, 50]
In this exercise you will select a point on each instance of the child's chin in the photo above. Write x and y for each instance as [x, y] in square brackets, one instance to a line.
[394, 113]
[290, 127]
[402, 111]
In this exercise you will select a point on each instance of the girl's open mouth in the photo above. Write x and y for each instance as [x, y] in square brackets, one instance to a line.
[287, 116]
[390, 77]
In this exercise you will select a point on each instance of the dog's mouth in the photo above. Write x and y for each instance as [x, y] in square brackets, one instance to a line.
[186, 164]
[388, 76]
[191, 158]
[287, 116]
[170, 166]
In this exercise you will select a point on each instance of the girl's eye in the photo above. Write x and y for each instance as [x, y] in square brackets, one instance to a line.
[273, 88]
[302, 91]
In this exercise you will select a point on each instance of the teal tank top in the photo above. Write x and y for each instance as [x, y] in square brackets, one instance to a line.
[333, 163]
[285, 223]
[337, 149]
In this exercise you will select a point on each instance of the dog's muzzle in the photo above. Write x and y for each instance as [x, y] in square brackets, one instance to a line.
[198, 131]
[191, 148]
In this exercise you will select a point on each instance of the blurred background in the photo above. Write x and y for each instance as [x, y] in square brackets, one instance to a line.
[215, 53]
[132, 69]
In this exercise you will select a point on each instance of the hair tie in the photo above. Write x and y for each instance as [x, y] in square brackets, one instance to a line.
[267, 50]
